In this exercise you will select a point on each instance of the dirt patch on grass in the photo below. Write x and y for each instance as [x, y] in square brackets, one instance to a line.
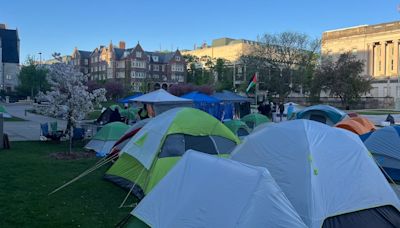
[72, 156]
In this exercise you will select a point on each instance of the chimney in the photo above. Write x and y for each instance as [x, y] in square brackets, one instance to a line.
[3, 26]
[121, 44]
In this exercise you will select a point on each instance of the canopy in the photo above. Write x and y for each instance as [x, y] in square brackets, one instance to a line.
[357, 125]
[228, 96]
[160, 96]
[129, 98]
[200, 97]
[322, 113]
[206, 191]
[325, 172]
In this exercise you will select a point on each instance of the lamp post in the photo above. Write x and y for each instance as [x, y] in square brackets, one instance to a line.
[40, 58]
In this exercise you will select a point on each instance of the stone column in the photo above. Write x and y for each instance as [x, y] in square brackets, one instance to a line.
[383, 58]
[396, 57]
[370, 59]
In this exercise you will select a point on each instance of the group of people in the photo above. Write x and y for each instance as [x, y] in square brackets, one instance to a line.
[273, 110]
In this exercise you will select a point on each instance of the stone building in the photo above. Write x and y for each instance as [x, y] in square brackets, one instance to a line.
[9, 58]
[378, 46]
[141, 69]
[228, 49]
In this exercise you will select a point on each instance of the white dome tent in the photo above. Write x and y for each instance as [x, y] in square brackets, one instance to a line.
[207, 191]
[326, 173]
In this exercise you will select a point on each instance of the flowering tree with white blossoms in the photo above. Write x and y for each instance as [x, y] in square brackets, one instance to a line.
[69, 96]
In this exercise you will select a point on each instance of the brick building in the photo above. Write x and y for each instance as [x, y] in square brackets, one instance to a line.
[142, 70]
[9, 58]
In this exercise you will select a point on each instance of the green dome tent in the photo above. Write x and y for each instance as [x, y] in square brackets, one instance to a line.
[155, 149]
[254, 119]
[4, 112]
[238, 127]
[105, 139]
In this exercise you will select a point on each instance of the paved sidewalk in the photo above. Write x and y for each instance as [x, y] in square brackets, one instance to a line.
[30, 129]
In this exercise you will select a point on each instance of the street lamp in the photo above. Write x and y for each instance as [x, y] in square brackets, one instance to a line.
[40, 58]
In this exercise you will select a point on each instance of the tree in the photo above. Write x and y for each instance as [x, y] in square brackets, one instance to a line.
[181, 89]
[69, 96]
[114, 89]
[32, 79]
[224, 74]
[343, 78]
[282, 61]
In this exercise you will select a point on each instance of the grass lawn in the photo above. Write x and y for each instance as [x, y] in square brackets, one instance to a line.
[12, 119]
[28, 174]
[376, 112]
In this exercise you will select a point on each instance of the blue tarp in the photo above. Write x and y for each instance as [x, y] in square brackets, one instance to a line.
[204, 102]
[127, 99]
[231, 103]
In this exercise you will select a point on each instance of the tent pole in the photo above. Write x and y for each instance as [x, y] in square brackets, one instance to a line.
[130, 190]
[385, 173]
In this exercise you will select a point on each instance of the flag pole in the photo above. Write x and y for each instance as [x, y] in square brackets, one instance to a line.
[256, 89]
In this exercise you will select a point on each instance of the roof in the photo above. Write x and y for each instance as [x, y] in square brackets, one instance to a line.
[84, 54]
[163, 57]
[119, 53]
[9, 43]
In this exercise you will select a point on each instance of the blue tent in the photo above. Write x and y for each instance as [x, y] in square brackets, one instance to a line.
[232, 103]
[322, 113]
[127, 99]
[384, 144]
[204, 102]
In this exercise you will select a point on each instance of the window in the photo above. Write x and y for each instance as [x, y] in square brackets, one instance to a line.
[177, 67]
[177, 58]
[354, 51]
[86, 71]
[156, 76]
[120, 64]
[136, 74]
[155, 58]
[156, 67]
[162, 68]
[138, 54]
[139, 64]
[8, 76]
[397, 91]
[86, 61]
[379, 66]
[120, 74]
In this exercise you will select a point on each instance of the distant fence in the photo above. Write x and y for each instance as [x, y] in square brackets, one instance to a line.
[363, 103]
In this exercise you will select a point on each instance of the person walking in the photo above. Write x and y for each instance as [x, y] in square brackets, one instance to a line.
[281, 110]
[290, 110]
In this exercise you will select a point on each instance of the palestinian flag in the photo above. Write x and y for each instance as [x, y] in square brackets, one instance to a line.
[252, 82]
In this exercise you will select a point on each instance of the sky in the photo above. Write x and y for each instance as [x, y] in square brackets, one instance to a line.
[59, 26]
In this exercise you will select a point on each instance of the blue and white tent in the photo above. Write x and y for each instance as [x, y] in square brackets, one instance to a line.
[207, 191]
[326, 173]
[322, 113]
[384, 144]
[204, 102]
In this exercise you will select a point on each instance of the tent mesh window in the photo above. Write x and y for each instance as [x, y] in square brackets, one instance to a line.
[318, 118]
[382, 217]
[176, 144]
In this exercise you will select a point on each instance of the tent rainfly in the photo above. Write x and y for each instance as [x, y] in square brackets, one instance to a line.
[322, 113]
[326, 173]
[155, 149]
[162, 101]
[357, 125]
[208, 191]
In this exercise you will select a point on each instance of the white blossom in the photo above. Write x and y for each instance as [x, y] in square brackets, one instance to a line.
[69, 97]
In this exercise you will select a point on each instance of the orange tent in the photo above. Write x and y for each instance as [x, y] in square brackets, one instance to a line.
[358, 125]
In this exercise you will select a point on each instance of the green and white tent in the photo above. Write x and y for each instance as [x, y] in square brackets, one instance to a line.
[155, 149]
[238, 127]
[105, 139]
[4, 112]
[254, 119]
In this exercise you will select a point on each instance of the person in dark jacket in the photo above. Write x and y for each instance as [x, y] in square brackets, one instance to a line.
[390, 119]
[281, 110]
